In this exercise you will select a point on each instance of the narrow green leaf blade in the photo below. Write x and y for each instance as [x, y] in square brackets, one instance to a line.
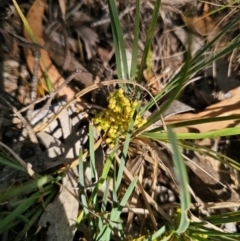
[120, 51]
[182, 178]
[150, 34]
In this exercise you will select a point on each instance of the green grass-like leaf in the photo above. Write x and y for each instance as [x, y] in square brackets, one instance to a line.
[25, 188]
[134, 62]
[19, 210]
[198, 62]
[150, 34]
[81, 175]
[35, 215]
[34, 39]
[124, 152]
[8, 162]
[116, 211]
[194, 136]
[119, 47]
[182, 179]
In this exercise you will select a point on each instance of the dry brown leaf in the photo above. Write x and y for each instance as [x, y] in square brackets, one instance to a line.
[34, 17]
[89, 38]
[227, 107]
[203, 25]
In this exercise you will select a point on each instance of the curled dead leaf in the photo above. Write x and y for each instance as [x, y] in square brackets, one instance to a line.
[203, 25]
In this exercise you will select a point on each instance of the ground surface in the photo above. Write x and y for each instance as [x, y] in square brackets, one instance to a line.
[78, 36]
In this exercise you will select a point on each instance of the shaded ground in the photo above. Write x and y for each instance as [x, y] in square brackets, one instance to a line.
[78, 36]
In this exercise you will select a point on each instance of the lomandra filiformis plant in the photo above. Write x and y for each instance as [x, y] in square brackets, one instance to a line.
[114, 120]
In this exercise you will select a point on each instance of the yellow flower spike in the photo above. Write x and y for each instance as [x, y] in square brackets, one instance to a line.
[141, 122]
[115, 126]
[131, 113]
[120, 100]
[125, 119]
[107, 113]
[138, 117]
[116, 118]
[112, 101]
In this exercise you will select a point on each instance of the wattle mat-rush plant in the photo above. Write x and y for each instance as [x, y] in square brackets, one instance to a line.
[123, 126]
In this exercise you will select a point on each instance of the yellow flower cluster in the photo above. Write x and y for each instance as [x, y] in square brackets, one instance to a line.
[116, 118]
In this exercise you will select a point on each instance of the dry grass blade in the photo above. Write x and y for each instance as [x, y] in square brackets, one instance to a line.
[147, 199]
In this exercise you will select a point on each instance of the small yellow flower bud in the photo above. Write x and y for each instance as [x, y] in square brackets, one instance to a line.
[120, 91]
[142, 122]
[117, 109]
[134, 104]
[127, 109]
[111, 146]
[112, 119]
[106, 125]
[99, 128]
[111, 106]
[108, 140]
[96, 121]
[112, 135]
[131, 114]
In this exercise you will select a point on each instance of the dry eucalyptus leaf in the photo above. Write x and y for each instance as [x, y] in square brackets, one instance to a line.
[56, 49]
[90, 38]
[175, 108]
[35, 17]
[227, 107]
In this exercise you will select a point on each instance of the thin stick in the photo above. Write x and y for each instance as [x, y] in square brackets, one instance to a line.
[27, 166]
[33, 94]
[32, 136]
